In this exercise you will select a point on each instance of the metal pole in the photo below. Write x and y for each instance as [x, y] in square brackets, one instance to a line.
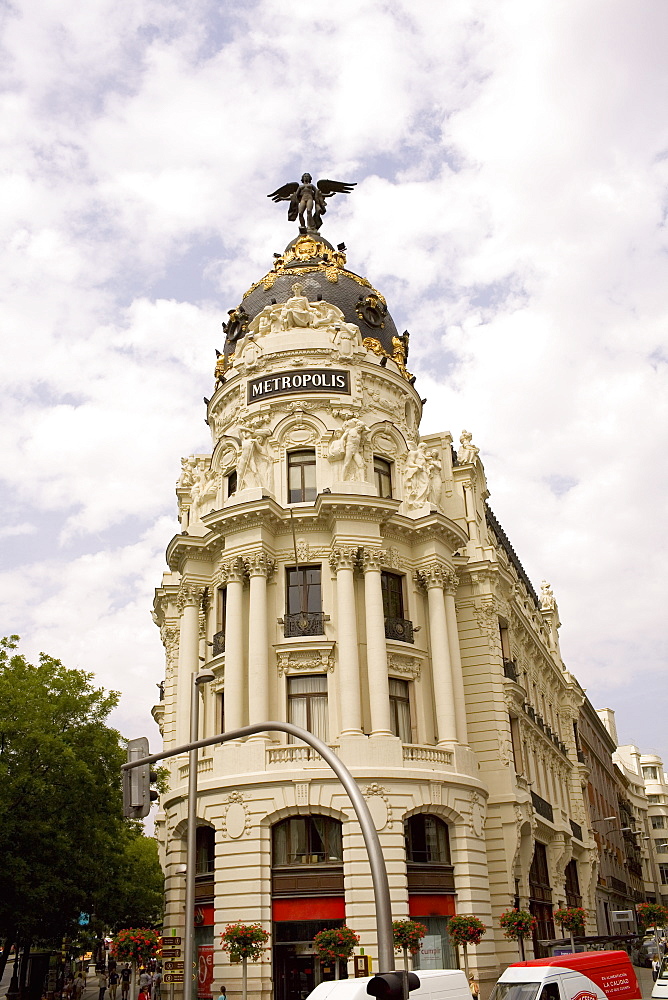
[381, 887]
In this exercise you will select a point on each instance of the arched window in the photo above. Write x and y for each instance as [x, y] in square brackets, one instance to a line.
[427, 840]
[307, 840]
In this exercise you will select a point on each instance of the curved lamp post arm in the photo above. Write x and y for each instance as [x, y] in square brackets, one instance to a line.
[381, 888]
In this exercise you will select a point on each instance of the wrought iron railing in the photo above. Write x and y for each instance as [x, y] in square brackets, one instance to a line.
[542, 807]
[304, 623]
[399, 628]
[219, 643]
[510, 670]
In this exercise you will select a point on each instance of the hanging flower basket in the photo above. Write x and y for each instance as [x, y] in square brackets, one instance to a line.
[517, 924]
[652, 915]
[335, 943]
[244, 941]
[136, 944]
[408, 934]
[571, 918]
[466, 930]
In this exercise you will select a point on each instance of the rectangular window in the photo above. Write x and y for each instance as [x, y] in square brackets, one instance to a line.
[393, 594]
[221, 608]
[655, 800]
[517, 744]
[221, 712]
[382, 471]
[303, 590]
[663, 872]
[400, 710]
[307, 704]
[650, 773]
[231, 483]
[301, 476]
[658, 822]
[661, 846]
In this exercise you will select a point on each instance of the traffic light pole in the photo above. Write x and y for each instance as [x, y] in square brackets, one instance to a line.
[381, 888]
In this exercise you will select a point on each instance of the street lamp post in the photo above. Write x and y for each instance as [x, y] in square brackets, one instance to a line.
[203, 677]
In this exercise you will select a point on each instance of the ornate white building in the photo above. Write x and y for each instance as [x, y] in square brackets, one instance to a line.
[338, 570]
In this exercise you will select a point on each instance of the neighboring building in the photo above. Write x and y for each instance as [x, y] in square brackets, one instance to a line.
[339, 571]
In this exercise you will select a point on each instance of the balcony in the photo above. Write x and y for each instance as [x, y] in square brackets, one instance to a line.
[510, 670]
[542, 807]
[427, 756]
[576, 829]
[431, 878]
[294, 754]
[400, 629]
[218, 643]
[304, 623]
[581, 757]
[618, 885]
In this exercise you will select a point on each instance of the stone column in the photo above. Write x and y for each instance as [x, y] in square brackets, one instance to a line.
[433, 577]
[234, 645]
[471, 515]
[343, 560]
[259, 567]
[456, 657]
[188, 602]
[376, 648]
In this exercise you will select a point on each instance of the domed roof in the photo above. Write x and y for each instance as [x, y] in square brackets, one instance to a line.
[319, 269]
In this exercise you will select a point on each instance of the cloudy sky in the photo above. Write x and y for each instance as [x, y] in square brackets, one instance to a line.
[511, 159]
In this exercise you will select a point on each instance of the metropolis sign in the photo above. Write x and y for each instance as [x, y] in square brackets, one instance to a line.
[313, 380]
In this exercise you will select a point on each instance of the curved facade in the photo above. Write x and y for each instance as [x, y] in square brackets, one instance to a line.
[337, 570]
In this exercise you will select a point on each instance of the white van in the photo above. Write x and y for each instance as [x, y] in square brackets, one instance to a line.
[660, 991]
[435, 984]
[588, 975]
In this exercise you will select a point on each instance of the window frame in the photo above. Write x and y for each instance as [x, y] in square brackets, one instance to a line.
[292, 465]
[381, 474]
[333, 830]
[410, 837]
[392, 595]
[397, 716]
[309, 586]
[308, 697]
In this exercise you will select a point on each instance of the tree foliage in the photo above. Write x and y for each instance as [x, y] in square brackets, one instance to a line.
[65, 846]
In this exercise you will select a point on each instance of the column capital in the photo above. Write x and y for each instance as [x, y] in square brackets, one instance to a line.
[259, 564]
[344, 557]
[452, 583]
[233, 570]
[372, 559]
[432, 574]
[189, 595]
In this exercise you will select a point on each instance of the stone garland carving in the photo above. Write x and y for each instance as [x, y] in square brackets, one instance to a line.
[400, 663]
[393, 558]
[468, 452]
[378, 791]
[318, 660]
[477, 813]
[236, 815]
[170, 640]
[381, 396]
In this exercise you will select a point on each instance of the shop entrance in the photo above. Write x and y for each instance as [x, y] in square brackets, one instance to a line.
[297, 969]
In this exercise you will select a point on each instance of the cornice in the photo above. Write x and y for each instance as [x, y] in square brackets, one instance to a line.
[198, 547]
[432, 526]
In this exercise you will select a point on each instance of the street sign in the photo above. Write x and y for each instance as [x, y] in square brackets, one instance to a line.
[173, 966]
[173, 977]
[169, 942]
[171, 953]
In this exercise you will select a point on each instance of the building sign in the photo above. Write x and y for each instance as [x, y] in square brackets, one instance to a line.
[313, 380]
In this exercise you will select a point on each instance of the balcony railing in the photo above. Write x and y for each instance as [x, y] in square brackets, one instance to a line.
[581, 757]
[427, 755]
[399, 628]
[219, 643]
[294, 754]
[617, 884]
[304, 623]
[542, 807]
[576, 830]
[510, 670]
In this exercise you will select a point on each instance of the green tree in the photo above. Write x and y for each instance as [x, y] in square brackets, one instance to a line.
[64, 844]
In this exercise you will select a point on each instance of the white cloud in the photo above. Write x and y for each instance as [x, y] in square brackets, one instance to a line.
[512, 167]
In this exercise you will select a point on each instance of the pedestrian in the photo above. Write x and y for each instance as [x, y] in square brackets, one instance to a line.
[144, 981]
[473, 986]
[78, 986]
[102, 984]
[126, 973]
[157, 984]
[113, 982]
[223, 994]
[67, 989]
[655, 968]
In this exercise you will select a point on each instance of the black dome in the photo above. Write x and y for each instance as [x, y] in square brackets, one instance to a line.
[320, 270]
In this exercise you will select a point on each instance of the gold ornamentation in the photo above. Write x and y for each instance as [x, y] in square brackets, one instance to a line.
[374, 345]
[398, 354]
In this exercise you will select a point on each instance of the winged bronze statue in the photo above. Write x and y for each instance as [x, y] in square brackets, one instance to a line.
[307, 197]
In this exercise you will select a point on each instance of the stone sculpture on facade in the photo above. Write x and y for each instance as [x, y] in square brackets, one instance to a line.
[468, 452]
[348, 447]
[254, 467]
[307, 197]
[417, 480]
[546, 596]
[204, 489]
